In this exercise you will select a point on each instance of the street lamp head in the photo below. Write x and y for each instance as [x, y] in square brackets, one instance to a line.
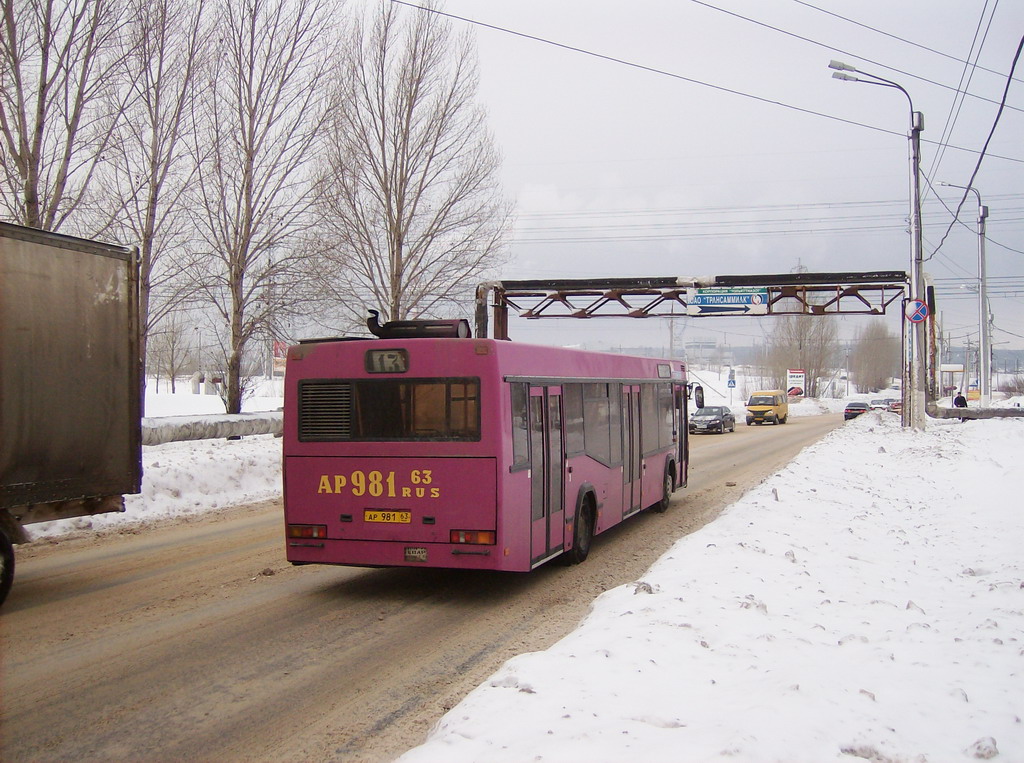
[840, 66]
[845, 77]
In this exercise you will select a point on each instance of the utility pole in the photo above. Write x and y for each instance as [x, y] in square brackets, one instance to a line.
[966, 381]
[916, 357]
[918, 338]
[985, 351]
[847, 370]
[985, 337]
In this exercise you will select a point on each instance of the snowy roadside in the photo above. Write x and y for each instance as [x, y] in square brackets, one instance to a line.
[193, 477]
[865, 602]
[187, 478]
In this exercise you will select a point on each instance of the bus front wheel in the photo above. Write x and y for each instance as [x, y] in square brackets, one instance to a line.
[582, 530]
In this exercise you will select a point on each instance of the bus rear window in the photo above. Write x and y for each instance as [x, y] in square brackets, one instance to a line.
[333, 410]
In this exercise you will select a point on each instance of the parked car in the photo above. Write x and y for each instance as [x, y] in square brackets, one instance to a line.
[713, 418]
[879, 404]
[853, 410]
[896, 406]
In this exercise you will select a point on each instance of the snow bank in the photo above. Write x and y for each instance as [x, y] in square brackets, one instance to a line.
[867, 601]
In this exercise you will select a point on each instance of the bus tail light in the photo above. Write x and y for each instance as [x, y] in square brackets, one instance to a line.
[476, 537]
[307, 531]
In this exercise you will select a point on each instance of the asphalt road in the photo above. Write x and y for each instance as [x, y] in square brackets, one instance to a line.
[196, 640]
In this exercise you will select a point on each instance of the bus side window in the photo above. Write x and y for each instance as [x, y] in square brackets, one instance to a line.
[650, 425]
[615, 423]
[595, 421]
[602, 426]
[520, 426]
[572, 401]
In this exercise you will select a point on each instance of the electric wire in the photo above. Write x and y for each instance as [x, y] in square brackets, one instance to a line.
[956, 219]
[844, 52]
[673, 75]
[896, 37]
[997, 328]
[984, 150]
[958, 100]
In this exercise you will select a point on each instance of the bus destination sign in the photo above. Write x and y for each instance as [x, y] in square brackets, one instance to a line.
[727, 300]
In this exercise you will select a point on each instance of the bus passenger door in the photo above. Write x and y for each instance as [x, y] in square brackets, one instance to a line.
[632, 453]
[547, 470]
[682, 425]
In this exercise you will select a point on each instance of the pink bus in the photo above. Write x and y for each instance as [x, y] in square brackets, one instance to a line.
[472, 453]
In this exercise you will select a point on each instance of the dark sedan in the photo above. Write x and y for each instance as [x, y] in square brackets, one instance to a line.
[853, 410]
[713, 418]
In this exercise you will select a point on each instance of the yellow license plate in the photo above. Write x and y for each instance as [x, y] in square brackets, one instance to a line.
[397, 517]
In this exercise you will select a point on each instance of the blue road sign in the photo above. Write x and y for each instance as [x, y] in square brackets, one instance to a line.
[726, 300]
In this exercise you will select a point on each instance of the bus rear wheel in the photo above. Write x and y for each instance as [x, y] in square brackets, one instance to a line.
[669, 483]
[582, 530]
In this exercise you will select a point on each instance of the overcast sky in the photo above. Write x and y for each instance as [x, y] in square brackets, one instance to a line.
[623, 171]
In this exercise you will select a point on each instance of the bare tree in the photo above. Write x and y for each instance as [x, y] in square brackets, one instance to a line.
[810, 342]
[412, 214]
[263, 113]
[1013, 386]
[875, 357]
[57, 62]
[171, 349]
[148, 165]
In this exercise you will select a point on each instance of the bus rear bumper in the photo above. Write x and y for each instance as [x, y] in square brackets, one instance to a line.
[354, 553]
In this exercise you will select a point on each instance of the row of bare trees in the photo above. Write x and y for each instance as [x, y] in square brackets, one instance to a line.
[279, 163]
[812, 343]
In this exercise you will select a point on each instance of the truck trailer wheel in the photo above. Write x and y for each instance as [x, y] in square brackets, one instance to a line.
[6, 565]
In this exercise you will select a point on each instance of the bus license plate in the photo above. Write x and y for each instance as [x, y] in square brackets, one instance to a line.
[397, 517]
[415, 554]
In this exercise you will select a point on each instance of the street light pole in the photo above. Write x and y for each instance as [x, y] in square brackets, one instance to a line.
[914, 369]
[985, 337]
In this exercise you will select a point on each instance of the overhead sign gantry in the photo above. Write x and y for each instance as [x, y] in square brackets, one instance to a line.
[868, 293]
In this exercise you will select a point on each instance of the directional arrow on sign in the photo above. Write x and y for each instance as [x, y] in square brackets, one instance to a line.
[693, 309]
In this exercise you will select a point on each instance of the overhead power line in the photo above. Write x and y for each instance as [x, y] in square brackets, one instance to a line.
[840, 50]
[752, 208]
[984, 150]
[673, 75]
[997, 328]
[968, 73]
[898, 38]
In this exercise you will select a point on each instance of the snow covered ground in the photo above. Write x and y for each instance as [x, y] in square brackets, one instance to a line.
[182, 478]
[867, 601]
